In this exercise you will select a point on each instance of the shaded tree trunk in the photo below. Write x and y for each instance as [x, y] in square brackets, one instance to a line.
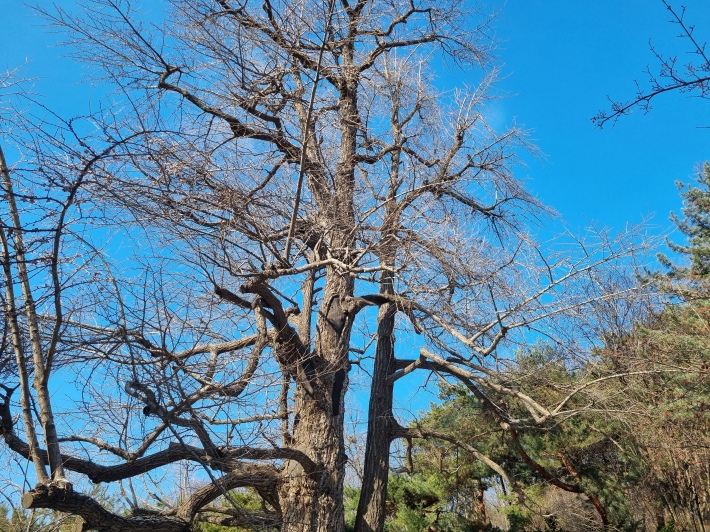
[373, 495]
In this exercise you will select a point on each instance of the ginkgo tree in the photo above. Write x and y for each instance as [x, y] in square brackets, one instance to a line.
[281, 195]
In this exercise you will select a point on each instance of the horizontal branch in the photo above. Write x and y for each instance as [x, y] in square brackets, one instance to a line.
[96, 517]
[228, 460]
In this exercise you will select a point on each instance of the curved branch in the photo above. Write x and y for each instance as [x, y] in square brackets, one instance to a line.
[415, 432]
[235, 479]
[95, 516]
[227, 461]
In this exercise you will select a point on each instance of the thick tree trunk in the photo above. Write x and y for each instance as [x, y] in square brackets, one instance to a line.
[315, 502]
[371, 508]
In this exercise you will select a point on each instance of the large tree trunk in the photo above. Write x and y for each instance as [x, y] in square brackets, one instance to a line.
[315, 502]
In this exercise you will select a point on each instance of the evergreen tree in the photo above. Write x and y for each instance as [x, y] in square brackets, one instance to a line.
[691, 281]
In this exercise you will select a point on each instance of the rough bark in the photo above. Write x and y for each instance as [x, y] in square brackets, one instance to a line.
[314, 502]
[94, 516]
[311, 503]
[373, 494]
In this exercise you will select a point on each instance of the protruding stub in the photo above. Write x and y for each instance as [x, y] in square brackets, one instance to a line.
[63, 484]
[57, 490]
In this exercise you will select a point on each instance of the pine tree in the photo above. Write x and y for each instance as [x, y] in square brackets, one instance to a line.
[691, 281]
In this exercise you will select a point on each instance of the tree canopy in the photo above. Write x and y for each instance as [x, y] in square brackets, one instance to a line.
[278, 202]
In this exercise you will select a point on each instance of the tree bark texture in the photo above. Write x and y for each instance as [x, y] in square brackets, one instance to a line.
[313, 502]
[373, 495]
[94, 516]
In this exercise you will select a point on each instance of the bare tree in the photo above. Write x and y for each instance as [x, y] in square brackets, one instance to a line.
[277, 172]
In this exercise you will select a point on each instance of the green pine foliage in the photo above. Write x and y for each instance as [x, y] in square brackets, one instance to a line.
[641, 451]
[243, 499]
[671, 429]
[691, 280]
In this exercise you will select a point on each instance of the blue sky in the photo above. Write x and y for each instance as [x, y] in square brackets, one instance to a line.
[559, 60]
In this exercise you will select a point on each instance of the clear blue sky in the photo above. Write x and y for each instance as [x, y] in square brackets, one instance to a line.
[559, 59]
